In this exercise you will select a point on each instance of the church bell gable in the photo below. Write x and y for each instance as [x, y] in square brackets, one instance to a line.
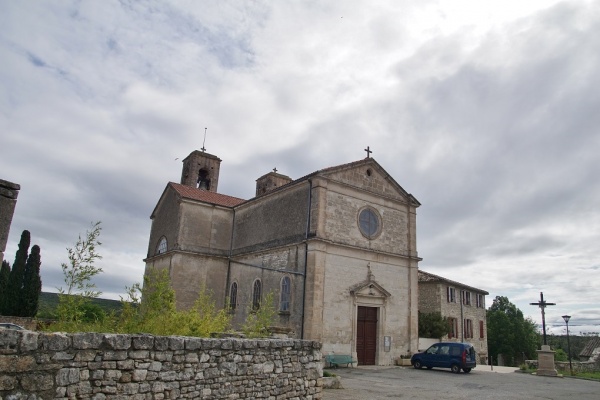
[201, 171]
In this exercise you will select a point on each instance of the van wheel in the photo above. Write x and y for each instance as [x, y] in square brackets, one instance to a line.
[467, 370]
[455, 368]
[417, 364]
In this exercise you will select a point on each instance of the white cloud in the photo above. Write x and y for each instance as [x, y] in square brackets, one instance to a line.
[485, 111]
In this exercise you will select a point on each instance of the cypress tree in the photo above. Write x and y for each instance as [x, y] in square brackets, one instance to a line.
[32, 283]
[4, 275]
[15, 281]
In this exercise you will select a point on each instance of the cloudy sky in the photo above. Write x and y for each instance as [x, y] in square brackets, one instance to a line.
[487, 112]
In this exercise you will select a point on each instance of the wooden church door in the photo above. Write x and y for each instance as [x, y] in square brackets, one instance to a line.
[366, 335]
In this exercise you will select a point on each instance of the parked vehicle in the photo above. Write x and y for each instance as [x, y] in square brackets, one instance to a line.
[453, 355]
[8, 325]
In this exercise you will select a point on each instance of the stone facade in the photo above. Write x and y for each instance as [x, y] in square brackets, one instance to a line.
[106, 366]
[305, 236]
[464, 305]
[8, 200]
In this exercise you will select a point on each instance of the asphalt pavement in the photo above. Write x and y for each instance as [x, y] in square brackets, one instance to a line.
[481, 383]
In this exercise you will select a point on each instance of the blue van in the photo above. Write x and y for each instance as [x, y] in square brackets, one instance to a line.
[455, 356]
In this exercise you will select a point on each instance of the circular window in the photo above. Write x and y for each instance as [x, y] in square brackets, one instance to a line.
[369, 223]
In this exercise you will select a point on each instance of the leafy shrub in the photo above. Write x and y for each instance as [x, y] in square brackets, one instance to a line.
[258, 321]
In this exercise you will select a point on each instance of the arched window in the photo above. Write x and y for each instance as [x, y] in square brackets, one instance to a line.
[203, 180]
[162, 246]
[233, 296]
[256, 294]
[286, 290]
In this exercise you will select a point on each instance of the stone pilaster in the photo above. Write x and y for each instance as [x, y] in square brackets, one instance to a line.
[8, 200]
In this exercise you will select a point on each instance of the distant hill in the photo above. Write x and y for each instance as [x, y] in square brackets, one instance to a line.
[49, 303]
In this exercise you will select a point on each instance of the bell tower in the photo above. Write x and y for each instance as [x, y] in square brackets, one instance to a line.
[201, 171]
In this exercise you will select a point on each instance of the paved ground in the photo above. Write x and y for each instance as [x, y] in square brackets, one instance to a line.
[482, 383]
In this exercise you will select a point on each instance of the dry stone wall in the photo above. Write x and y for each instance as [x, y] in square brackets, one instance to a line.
[35, 365]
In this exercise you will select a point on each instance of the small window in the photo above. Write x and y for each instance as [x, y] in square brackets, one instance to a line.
[466, 297]
[162, 246]
[369, 223]
[453, 328]
[468, 329]
[481, 330]
[451, 295]
[286, 286]
[233, 296]
[256, 295]
[480, 301]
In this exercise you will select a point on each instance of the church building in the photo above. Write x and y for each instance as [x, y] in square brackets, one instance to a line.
[337, 248]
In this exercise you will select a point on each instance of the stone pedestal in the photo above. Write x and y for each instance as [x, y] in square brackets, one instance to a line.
[546, 362]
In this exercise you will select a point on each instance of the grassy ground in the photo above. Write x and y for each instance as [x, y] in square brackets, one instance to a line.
[587, 375]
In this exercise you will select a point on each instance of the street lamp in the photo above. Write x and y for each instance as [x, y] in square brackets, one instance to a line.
[567, 318]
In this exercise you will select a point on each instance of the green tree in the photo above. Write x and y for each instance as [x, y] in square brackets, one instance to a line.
[151, 308]
[510, 333]
[32, 283]
[433, 325]
[78, 274]
[259, 320]
[4, 276]
[14, 305]
[560, 355]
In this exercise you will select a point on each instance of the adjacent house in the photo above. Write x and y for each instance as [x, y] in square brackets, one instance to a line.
[591, 351]
[463, 305]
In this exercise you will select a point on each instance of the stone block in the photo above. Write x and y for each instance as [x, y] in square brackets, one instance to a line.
[115, 355]
[176, 343]
[193, 343]
[87, 340]
[7, 382]
[62, 356]
[56, 341]
[25, 363]
[139, 354]
[67, 376]
[161, 343]
[117, 342]
[139, 375]
[29, 341]
[143, 342]
[9, 341]
[85, 355]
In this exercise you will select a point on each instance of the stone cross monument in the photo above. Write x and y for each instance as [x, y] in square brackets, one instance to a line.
[546, 365]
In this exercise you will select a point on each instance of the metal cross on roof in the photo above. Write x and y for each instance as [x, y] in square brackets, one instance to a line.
[543, 304]
[275, 169]
[203, 149]
[368, 150]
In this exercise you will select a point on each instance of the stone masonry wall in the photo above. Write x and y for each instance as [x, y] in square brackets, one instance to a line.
[35, 365]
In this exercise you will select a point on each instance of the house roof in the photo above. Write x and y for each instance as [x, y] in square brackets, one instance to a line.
[429, 277]
[590, 346]
[191, 193]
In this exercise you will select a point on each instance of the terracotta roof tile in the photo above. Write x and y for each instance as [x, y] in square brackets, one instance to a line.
[590, 346]
[205, 196]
